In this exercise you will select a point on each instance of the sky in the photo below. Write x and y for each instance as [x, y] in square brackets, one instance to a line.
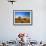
[22, 14]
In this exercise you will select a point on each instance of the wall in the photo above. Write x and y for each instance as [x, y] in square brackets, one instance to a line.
[9, 32]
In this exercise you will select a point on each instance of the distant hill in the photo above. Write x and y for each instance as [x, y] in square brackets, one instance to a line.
[22, 20]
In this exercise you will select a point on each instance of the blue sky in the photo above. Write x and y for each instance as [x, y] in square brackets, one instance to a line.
[22, 14]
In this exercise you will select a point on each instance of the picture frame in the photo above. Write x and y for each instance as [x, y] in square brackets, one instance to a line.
[22, 17]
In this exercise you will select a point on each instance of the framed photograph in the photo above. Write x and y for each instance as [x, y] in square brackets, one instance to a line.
[23, 17]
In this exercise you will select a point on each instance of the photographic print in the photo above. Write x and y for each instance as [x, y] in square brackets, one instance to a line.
[22, 16]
